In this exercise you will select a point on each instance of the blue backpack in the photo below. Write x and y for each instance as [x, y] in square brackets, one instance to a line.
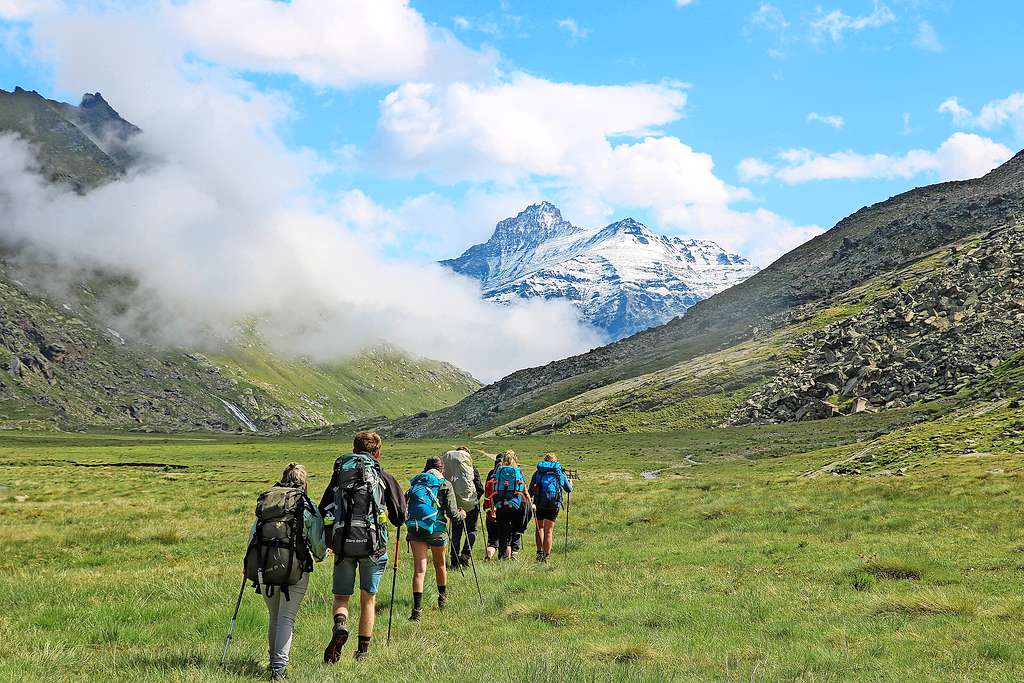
[424, 508]
[549, 485]
[509, 487]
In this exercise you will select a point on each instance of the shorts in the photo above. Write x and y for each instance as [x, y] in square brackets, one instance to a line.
[438, 540]
[371, 569]
[547, 514]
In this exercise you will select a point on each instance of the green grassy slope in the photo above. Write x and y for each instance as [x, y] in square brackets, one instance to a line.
[735, 568]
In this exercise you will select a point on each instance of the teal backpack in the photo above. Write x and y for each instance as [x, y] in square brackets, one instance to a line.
[424, 514]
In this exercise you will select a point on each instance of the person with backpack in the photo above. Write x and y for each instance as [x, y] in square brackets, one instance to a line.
[511, 504]
[285, 539]
[354, 505]
[430, 500]
[490, 519]
[546, 487]
[465, 479]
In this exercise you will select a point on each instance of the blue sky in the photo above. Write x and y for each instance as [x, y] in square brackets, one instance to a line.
[756, 124]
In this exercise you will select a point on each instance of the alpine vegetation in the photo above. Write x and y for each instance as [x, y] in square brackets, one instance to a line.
[623, 278]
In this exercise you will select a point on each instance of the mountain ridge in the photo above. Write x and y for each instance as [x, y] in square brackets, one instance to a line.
[623, 278]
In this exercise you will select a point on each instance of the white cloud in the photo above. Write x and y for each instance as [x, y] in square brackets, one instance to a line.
[683, 3]
[1008, 111]
[343, 43]
[961, 156]
[575, 31]
[836, 23]
[927, 38]
[754, 169]
[467, 24]
[907, 130]
[222, 221]
[769, 17]
[18, 10]
[833, 120]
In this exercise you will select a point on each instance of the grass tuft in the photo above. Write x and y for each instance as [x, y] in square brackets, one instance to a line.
[553, 615]
[926, 603]
[624, 653]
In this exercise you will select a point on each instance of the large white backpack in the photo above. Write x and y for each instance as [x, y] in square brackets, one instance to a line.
[458, 469]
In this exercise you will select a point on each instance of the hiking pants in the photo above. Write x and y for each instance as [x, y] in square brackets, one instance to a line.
[507, 525]
[465, 547]
[282, 620]
[492, 535]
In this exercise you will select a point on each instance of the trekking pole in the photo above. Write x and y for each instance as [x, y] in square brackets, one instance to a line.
[568, 496]
[472, 564]
[454, 554]
[394, 580]
[231, 629]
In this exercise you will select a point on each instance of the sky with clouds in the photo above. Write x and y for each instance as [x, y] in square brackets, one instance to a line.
[413, 127]
[753, 123]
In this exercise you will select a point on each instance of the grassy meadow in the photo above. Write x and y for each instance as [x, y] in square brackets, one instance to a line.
[732, 569]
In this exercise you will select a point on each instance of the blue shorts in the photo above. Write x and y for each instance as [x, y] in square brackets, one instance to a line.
[370, 571]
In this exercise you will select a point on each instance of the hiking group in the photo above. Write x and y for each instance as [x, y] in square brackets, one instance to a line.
[352, 520]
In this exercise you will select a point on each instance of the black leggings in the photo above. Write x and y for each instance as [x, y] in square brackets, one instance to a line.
[460, 546]
[506, 530]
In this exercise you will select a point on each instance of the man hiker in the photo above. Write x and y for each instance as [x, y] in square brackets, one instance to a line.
[430, 500]
[546, 487]
[353, 506]
[465, 479]
[280, 558]
[511, 504]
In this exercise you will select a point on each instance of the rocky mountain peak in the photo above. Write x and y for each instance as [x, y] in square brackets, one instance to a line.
[534, 223]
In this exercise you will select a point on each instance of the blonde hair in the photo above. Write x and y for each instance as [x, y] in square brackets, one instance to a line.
[295, 476]
[550, 457]
[509, 458]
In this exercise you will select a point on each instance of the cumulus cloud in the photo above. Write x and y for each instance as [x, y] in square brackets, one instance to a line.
[833, 120]
[836, 23]
[753, 168]
[961, 156]
[341, 44]
[993, 115]
[221, 222]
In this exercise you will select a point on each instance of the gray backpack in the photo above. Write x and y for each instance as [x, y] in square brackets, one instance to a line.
[277, 555]
[458, 469]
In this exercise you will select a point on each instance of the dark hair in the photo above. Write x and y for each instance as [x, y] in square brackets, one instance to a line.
[433, 463]
[366, 442]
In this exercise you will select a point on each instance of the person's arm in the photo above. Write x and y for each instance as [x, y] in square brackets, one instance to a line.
[252, 534]
[566, 484]
[478, 485]
[534, 483]
[394, 499]
[315, 532]
[326, 508]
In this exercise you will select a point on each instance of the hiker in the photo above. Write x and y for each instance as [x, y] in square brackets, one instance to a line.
[430, 500]
[280, 557]
[353, 506]
[511, 505]
[465, 478]
[490, 521]
[546, 488]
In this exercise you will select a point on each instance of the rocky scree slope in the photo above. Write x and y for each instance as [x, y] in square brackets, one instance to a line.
[623, 278]
[877, 239]
[927, 340]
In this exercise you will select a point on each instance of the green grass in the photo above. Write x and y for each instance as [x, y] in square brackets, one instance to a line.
[735, 569]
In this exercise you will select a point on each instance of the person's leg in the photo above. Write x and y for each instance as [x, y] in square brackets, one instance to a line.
[419, 571]
[367, 613]
[456, 543]
[549, 535]
[538, 534]
[371, 570]
[440, 574]
[288, 609]
[492, 538]
[472, 518]
[343, 586]
[272, 609]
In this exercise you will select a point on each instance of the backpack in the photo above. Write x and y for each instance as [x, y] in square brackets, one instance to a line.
[458, 469]
[424, 513]
[358, 504]
[277, 555]
[509, 487]
[549, 485]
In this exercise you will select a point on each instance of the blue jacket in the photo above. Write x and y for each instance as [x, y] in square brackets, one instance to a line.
[542, 468]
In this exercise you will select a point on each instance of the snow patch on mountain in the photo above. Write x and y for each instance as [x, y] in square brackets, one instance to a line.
[624, 278]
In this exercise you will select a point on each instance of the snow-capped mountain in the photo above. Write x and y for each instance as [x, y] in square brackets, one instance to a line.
[623, 278]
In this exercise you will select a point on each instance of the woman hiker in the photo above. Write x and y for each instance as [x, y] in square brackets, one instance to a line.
[280, 562]
[546, 487]
[430, 501]
[511, 505]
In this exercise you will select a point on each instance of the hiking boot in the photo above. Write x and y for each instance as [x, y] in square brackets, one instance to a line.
[540, 556]
[416, 614]
[361, 655]
[279, 673]
[339, 636]
[466, 560]
[514, 556]
[442, 600]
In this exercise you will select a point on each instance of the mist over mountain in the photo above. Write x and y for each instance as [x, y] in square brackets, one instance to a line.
[623, 278]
